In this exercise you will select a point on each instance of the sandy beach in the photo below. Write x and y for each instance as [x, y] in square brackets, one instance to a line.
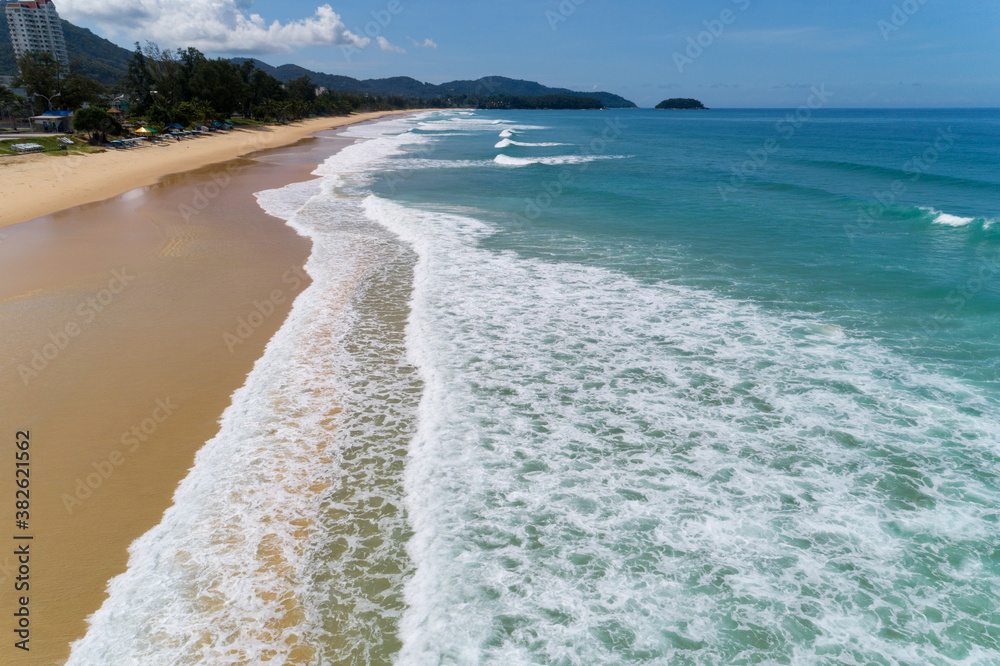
[127, 324]
[36, 185]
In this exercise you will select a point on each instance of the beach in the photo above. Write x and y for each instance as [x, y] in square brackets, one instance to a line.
[36, 185]
[128, 321]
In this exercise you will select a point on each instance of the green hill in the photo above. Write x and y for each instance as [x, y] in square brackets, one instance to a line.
[100, 59]
[405, 86]
[94, 56]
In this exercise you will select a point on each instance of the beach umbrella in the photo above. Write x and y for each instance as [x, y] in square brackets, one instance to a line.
[144, 130]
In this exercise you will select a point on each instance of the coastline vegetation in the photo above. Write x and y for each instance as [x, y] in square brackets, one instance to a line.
[183, 87]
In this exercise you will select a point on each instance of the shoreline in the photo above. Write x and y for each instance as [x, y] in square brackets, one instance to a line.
[140, 384]
[32, 186]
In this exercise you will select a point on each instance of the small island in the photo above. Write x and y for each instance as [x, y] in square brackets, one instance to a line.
[682, 104]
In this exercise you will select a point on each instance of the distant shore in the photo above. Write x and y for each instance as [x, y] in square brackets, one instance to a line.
[35, 185]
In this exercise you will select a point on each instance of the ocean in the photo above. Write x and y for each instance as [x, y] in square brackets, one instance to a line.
[620, 387]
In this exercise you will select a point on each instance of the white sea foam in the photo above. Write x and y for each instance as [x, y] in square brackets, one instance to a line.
[241, 568]
[417, 163]
[610, 471]
[465, 124]
[949, 220]
[508, 161]
[506, 134]
[605, 471]
[953, 220]
[508, 142]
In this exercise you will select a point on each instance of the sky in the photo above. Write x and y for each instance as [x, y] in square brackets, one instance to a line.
[727, 53]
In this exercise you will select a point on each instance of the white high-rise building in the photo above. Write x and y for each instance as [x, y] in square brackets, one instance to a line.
[35, 26]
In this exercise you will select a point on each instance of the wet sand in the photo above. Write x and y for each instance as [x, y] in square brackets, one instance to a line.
[126, 326]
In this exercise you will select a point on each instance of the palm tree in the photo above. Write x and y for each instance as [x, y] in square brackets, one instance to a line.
[8, 100]
[98, 122]
[13, 106]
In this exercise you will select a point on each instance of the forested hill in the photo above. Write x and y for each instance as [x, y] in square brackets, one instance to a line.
[405, 86]
[100, 59]
[95, 56]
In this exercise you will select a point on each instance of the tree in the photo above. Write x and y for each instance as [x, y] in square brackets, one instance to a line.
[7, 96]
[247, 69]
[98, 123]
[161, 115]
[191, 59]
[263, 87]
[167, 74]
[139, 82]
[197, 111]
[218, 82]
[78, 90]
[41, 74]
[302, 89]
[9, 103]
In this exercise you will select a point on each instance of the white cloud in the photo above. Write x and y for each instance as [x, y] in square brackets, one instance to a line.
[384, 44]
[211, 25]
[426, 44]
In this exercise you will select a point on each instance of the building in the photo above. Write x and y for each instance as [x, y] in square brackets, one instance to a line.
[53, 121]
[35, 26]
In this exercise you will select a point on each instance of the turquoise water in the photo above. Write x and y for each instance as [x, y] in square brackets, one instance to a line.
[623, 387]
[700, 406]
[804, 232]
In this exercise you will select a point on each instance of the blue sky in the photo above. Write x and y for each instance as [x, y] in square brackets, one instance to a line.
[752, 53]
